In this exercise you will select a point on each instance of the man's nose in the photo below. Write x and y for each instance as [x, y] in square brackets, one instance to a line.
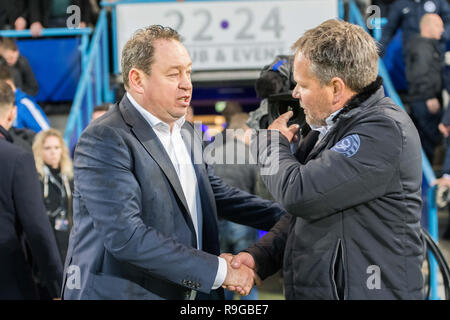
[186, 83]
[296, 94]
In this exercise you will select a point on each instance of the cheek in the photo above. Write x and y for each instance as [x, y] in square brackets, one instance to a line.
[46, 156]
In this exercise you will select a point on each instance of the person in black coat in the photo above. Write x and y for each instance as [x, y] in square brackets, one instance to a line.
[424, 64]
[23, 222]
[19, 66]
[13, 14]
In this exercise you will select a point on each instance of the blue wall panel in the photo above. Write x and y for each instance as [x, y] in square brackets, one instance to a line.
[56, 63]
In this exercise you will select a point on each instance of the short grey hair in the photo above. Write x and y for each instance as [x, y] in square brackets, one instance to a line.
[139, 50]
[340, 49]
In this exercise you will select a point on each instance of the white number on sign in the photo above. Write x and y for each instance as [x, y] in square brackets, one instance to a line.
[179, 16]
[242, 35]
[272, 22]
[200, 36]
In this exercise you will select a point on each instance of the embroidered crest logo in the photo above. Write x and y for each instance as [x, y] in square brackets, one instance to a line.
[348, 146]
[429, 6]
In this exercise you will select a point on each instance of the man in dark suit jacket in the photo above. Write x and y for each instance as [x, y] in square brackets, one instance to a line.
[145, 202]
[22, 215]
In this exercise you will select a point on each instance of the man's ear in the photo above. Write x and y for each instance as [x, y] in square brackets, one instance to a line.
[338, 87]
[10, 117]
[12, 114]
[135, 79]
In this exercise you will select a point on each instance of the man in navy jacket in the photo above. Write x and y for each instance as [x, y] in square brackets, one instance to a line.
[22, 217]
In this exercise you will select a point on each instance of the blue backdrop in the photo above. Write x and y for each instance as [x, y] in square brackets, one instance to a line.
[56, 63]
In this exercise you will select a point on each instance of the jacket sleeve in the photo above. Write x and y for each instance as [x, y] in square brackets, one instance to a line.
[107, 185]
[333, 182]
[38, 231]
[30, 84]
[31, 116]
[268, 252]
[244, 208]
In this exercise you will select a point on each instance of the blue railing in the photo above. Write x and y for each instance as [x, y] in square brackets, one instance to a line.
[428, 173]
[82, 40]
[94, 87]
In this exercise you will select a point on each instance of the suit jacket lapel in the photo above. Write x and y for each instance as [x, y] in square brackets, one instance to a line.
[148, 138]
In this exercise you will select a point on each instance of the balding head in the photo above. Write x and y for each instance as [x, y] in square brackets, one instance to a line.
[431, 26]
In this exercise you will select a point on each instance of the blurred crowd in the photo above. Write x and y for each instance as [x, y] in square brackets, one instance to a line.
[39, 14]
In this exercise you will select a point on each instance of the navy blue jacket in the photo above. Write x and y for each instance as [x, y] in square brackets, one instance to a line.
[23, 220]
[353, 228]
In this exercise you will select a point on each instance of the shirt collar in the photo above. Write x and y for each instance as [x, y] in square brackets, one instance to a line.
[154, 121]
[329, 123]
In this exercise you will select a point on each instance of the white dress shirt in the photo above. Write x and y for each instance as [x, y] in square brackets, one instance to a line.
[181, 160]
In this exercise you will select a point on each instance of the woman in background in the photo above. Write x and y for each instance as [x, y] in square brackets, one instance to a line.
[55, 170]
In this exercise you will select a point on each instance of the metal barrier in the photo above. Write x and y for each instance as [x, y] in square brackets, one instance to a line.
[54, 32]
[93, 87]
[81, 35]
[428, 173]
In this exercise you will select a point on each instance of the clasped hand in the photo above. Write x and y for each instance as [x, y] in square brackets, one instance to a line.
[241, 275]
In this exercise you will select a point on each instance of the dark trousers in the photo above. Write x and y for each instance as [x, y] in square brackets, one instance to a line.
[427, 126]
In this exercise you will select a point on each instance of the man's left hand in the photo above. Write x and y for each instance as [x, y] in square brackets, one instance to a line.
[280, 124]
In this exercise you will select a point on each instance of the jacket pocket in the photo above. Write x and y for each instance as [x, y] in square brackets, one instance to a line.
[337, 273]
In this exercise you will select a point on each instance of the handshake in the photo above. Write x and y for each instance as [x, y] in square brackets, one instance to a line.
[241, 275]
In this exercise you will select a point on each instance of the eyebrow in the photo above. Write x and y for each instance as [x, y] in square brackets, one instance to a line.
[178, 66]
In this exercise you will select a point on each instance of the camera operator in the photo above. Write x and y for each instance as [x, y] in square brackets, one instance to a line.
[354, 203]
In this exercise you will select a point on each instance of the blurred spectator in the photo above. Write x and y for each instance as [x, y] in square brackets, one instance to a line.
[231, 108]
[13, 14]
[24, 228]
[29, 113]
[53, 14]
[243, 174]
[20, 68]
[56, 176]
[100, 110]
[424, 64]
[406, 15]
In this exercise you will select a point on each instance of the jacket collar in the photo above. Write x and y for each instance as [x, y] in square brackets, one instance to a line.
[359, 103]
[368, 96]
[4, 134]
